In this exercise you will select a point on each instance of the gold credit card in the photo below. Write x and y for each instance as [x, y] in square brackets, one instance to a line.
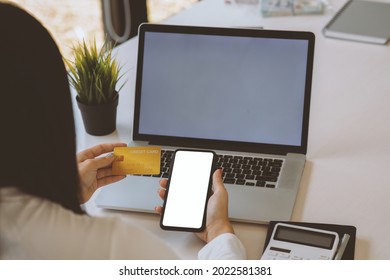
[136, 160]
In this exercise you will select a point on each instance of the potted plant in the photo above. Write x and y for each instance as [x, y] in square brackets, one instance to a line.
[94, 74]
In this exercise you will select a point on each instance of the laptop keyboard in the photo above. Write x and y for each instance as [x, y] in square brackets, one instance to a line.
[250, 171]
[238, 170]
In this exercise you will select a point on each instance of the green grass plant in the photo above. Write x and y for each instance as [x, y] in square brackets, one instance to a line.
[94, 73]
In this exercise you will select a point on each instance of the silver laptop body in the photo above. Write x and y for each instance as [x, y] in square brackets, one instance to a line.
[242, 93]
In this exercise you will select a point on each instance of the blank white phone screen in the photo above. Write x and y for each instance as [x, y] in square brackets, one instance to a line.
[188, 186]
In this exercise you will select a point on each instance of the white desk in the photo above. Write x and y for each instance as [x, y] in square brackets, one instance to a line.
[347, 175]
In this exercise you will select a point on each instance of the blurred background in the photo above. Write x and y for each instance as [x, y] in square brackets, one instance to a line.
[69, 21]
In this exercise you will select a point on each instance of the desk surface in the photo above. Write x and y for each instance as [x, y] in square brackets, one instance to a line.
[347, 174]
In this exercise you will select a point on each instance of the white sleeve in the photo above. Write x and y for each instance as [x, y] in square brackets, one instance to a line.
[224, 247]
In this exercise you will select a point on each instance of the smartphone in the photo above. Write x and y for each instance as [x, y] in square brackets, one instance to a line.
[188, 190]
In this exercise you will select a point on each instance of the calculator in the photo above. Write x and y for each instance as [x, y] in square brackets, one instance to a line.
[292, 242]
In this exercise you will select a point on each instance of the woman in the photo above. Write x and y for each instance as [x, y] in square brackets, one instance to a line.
[43, 183]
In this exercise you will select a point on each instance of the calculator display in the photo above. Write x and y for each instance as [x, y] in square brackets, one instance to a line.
[305, 237]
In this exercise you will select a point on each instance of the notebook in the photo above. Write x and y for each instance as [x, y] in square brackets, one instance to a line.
[364, 21]
[244, 93]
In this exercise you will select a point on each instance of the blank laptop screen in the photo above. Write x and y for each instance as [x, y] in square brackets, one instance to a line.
[233, 88]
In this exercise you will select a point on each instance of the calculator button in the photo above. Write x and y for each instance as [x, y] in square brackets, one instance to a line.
[283, 255]
[296, 258]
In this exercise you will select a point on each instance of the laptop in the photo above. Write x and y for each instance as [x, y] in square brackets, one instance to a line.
[243, 93]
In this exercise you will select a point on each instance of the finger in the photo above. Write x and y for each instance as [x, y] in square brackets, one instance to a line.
[163, 183]
[109, 180]
[161, 193]
[158, 209]
[98, 163]
[105, 172]
[98, 150]
[217, 181]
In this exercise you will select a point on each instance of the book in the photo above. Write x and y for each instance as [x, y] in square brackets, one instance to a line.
[363, 21]
[349, 253]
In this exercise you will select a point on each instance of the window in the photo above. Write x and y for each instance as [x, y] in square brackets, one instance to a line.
[71, 20]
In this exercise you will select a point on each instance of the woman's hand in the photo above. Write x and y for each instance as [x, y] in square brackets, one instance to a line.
[217, 221]
[95, 171]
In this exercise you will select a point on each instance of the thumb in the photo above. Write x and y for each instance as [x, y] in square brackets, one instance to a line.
[217, 180]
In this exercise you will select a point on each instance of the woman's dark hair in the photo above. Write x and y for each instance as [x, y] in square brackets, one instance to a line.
[37, 142]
